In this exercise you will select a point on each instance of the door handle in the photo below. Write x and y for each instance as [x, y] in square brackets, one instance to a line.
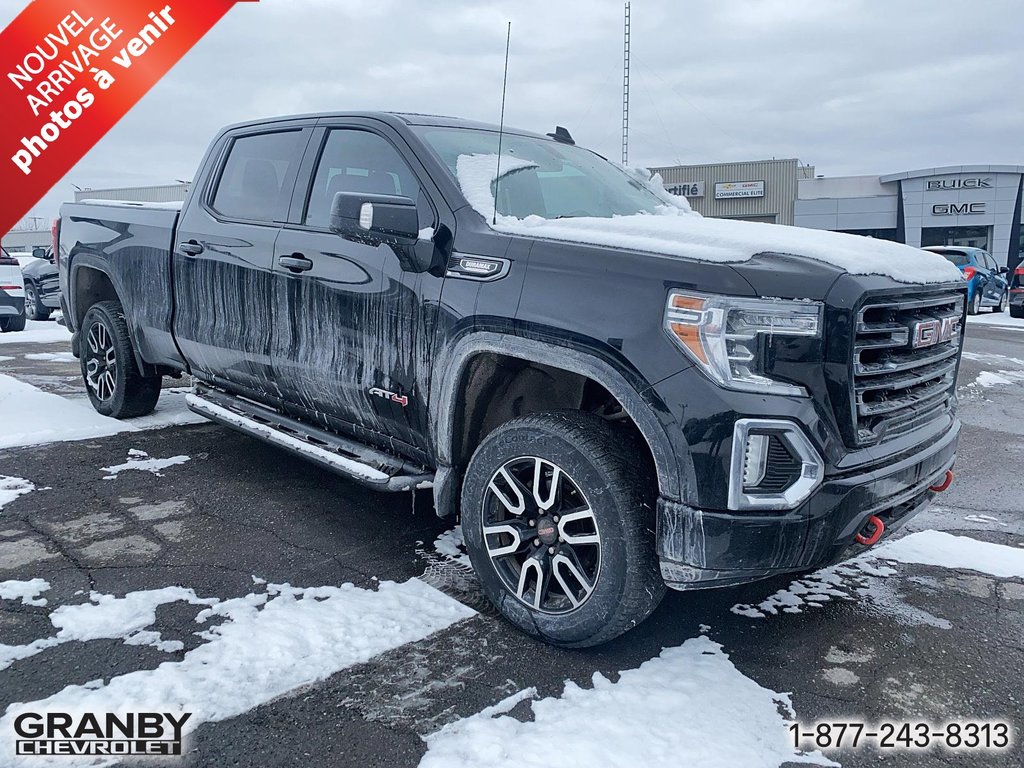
[191, 248]
[296, 262]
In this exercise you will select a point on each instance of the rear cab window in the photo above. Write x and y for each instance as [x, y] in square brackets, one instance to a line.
[255, 180]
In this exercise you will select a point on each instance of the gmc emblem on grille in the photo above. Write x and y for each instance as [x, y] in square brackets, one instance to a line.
[928, 333]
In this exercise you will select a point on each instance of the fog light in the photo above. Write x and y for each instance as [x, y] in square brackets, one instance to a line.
[755, 461]
[774, 466]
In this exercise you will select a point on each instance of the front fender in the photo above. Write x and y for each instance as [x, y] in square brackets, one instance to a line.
[637, 398]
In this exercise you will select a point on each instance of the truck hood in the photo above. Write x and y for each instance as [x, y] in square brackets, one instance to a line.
[693, 237]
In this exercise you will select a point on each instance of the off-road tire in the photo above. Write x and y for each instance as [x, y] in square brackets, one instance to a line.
[33, 309]
[132, 394]
[12, 324]
[606, 465]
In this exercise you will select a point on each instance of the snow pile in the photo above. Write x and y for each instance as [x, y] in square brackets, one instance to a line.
[33, 417]
[957, 552]
[13, 487]
[452, 545]
[52, 357]
[857, 578]
[1003, 378]
[26, 591]
[140, 460]
[270, 643]
[689, 706]
[37, 332]
[676, 233]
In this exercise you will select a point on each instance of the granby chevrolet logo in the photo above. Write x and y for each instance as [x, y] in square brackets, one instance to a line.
[131, 733]
[928, 333]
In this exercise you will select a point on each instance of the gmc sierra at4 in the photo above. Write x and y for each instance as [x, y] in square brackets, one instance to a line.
[612, 392]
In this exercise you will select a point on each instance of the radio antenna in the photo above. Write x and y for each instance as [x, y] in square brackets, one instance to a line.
[501, 125]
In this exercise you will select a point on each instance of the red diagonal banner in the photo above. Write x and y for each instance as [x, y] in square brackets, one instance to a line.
[69, 70]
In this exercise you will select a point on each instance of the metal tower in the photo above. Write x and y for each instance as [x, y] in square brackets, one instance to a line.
[625, 92]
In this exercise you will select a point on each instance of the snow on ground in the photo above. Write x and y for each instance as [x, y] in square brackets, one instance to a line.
[268, 644]
[863, 576]
[13, 487]
[678, 233]
[106, 617]
[689, 706]
[26, 591]
[5, 358]
[453, 546]
[33, 417]
[1002, 378]
[998, 319]
[140, 461]
[957, 552]
[37, 332]
[53, 357]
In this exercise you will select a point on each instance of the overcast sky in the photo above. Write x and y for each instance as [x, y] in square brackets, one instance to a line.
[857, 86]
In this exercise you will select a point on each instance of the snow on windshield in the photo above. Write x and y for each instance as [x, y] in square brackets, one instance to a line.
[675, 231]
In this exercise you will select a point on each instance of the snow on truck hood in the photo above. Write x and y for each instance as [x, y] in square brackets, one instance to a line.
[678, 231]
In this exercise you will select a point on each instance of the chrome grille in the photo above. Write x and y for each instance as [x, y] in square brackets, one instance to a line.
[905, 354]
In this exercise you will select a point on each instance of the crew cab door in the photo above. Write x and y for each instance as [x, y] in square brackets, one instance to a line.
[224, 313]
[354, 344]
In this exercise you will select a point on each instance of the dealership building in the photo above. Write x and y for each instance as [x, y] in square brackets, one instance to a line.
[967, 205]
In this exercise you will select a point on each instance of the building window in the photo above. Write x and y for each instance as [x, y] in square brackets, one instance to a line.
[878, 234]
[965, 237]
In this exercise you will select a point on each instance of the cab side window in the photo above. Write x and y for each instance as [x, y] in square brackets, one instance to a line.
[252, 183]
[356, 161]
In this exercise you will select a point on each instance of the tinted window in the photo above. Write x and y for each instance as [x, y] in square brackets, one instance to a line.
[957, 257]
[357, 161]
[989, 261]
[252, 184]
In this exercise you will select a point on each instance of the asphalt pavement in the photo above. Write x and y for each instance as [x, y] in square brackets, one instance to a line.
[929, 643]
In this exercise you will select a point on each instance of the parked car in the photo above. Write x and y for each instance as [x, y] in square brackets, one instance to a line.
[591, 375]
[12, 294]
[987, 284]
[42, 286]
[1017, 292]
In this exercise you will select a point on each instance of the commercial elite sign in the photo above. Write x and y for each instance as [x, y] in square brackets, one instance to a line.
[727, 189]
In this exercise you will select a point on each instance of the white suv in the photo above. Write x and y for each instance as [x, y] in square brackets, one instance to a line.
[12, 294]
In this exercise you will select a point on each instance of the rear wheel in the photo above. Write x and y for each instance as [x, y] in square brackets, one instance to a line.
[1017, 312]
[558, 520]
[12, 324]
[975, 306]
[34, 310]
[1001, 306]
[115, 385]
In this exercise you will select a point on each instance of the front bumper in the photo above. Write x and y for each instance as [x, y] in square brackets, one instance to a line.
[701, 548]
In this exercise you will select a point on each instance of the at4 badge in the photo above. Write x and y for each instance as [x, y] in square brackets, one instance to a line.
[402, 400]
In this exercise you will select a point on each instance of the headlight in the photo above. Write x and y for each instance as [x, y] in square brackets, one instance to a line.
[721, 334]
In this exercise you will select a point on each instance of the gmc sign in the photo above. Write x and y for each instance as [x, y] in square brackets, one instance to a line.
[957, 209]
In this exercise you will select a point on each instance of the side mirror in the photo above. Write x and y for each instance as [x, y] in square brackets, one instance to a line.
[375, 219]
[39, 253]
[1004, 270]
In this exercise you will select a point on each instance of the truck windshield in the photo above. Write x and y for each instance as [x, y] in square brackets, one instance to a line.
[562, 181]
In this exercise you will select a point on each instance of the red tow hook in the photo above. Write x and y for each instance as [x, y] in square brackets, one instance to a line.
[946, 482]
[875, 535]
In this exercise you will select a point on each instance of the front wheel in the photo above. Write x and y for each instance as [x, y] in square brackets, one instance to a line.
[558, 520]
[115, 385]
[34, 310]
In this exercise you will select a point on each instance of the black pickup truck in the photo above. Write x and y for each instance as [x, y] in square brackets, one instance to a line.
[614, 393]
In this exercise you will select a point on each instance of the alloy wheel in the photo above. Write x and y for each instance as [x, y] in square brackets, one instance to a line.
[541, 535]
[30, 303]
[101, 362]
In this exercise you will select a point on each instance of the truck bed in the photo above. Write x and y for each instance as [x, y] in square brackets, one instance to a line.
[130, 245]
